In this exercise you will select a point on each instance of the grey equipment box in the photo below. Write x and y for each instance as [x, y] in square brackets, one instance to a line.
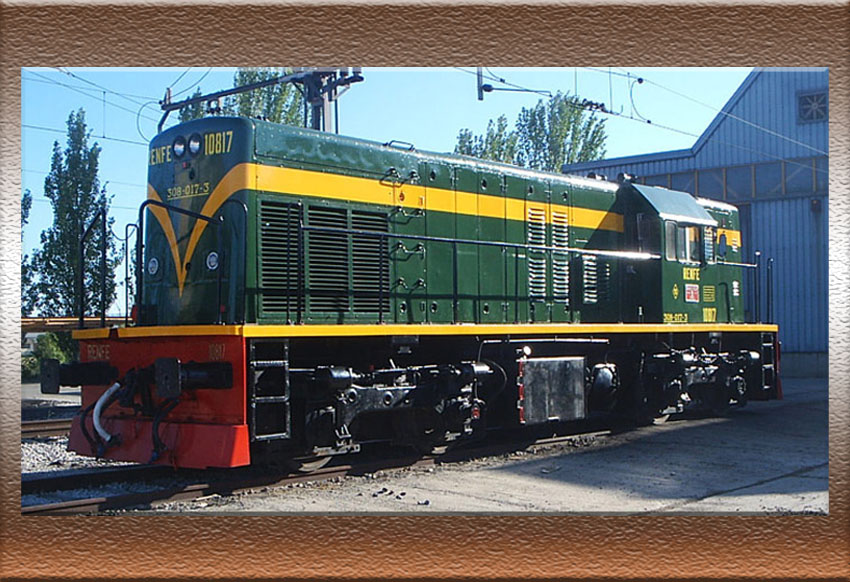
[554, 389]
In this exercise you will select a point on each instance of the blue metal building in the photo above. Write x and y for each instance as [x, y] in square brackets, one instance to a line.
[767, 153]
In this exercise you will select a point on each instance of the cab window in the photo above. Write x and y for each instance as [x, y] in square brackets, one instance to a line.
[648, 235]
[670, 240]
[688, 244]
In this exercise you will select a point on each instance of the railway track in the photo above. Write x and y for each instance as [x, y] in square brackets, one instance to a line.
[45, 428]
[236, 481]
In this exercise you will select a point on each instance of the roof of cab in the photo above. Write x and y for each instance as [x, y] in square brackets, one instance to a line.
[675, 205]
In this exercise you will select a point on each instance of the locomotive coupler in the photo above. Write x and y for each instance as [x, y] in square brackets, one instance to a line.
[54, 375]
[172, 376]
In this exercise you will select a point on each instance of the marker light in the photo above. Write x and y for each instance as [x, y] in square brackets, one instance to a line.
[153, 266]
[179, 146]
[195, 144]
[212, 261]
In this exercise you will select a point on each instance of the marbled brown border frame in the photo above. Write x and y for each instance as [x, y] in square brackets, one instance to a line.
[407, 547]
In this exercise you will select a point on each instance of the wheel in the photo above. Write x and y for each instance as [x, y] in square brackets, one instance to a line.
[306, 464]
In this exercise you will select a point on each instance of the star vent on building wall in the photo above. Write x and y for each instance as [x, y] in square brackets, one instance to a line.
[812, 107]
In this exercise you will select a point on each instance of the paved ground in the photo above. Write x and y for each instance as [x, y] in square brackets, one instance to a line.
[765, 458]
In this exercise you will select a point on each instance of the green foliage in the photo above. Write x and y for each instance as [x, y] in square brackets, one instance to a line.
[193, 111]
[56, 346]
[281, 102]
[498, 144]
[554, 132]
[73, 189]
[27, 299]
[558, 132]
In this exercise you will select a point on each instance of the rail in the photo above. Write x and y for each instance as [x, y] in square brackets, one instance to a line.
[245, 479]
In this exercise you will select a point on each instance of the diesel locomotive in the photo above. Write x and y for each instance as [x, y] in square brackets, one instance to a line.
[300, 294]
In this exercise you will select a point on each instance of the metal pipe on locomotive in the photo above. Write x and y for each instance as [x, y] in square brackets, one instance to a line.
[300, 294]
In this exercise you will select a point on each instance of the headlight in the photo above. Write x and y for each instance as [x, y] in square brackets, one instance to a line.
[153, 266]
[212, 261]
[179, 147]
[195, 144]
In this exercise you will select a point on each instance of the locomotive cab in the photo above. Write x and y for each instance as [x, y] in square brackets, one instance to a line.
[690, 237]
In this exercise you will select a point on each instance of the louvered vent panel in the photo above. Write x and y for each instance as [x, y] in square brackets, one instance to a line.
[561, 260]
[604, 284]
[370, 266]
[590, 279]
[279, 256]
[536, 257]
[328, 288]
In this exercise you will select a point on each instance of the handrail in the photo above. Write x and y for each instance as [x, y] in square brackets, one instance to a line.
[81, 297]
[140, 236]
[127, 269]
[637, 256]
[632, 255]
[244, 208]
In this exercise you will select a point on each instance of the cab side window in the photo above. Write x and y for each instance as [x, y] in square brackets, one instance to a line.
[670, 235]
[688, 244]
[648, 234]
[722, 246]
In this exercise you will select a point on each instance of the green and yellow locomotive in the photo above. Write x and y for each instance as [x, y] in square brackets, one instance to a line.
[301, 293]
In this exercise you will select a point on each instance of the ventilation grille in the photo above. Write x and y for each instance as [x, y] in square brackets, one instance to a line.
[328, 260]
[370, 272]
[536, 227]
[590, 279]
[560, 260]
[279, 256]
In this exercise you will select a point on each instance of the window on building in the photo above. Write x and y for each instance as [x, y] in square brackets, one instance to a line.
[662, 180]
[711, 183]
[798, 176]
[822, 173]
[739, 182]
[812, 107]
[769, 179]
[683, 181]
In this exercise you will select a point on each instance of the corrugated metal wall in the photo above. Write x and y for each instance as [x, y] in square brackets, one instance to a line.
[770, 101]
[795, 234]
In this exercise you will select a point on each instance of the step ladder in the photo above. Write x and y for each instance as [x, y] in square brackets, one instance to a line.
[769, 374]
[270, 414]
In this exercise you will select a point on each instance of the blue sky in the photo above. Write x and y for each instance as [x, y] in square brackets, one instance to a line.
[425, 107]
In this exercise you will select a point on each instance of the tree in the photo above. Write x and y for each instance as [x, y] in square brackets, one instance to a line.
[281, 102]
[27, 297]
[547, 136]
[497, 144]
[558, 132]
[193, 110]
[73, 189]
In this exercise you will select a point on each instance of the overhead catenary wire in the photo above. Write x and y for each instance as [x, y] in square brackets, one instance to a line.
[715, 109]
[177, 80]
[646, 121]
[65, 132]
[96, 95]
[195, 84]
[133, 99]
